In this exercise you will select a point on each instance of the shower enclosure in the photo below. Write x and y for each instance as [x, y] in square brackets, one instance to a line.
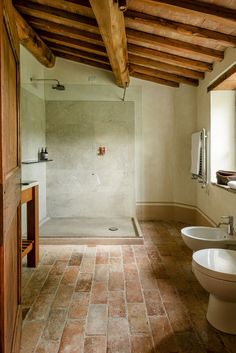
[90, 185]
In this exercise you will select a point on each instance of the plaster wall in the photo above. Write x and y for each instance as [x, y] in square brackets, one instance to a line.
[81, 183]
[33, 128]
[164, 120]
[214, 201]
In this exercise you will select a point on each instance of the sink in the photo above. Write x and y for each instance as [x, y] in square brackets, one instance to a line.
[197, 238]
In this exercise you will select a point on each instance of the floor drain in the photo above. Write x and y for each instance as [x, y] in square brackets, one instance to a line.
[113, 229]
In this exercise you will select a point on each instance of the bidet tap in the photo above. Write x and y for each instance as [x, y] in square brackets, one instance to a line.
[229, 222]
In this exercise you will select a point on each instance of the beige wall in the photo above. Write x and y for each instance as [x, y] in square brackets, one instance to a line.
[213, 201]
[33, 127]
[164, 120]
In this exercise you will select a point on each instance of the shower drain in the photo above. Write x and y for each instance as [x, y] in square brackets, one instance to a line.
[113, 229]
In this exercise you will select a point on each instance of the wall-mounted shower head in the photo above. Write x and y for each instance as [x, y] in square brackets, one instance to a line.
[57, 86]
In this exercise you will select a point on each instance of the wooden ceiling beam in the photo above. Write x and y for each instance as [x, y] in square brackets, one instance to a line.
[153, 64]
[169, 58]
[163, 75]
[154, 79]
[218, 13]
[70, 32]
[32, 42]
[140, 21]
[57, 16]
[112, 28]
[80, 53]
[72, 43]
[82, 60]
[82, 9]
[166, 44]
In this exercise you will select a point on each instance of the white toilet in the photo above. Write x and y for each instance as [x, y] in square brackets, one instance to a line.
[215, 269]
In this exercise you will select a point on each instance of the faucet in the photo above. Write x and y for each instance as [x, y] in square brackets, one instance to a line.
[229, 220]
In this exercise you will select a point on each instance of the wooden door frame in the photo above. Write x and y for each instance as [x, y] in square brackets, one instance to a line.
[7, 22]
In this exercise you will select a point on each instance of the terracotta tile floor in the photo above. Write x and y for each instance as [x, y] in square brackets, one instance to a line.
[119, 299]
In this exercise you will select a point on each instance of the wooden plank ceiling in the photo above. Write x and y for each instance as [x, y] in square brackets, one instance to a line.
[164, 41]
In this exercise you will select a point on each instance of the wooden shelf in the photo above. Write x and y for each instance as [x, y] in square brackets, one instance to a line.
[27, 246]
[37, 161]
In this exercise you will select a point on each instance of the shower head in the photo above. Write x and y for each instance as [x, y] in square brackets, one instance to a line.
[56, 86]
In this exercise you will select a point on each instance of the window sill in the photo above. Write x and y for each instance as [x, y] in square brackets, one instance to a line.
[225, 187]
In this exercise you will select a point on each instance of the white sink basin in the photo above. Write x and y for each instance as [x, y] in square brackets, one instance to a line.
[197, 238]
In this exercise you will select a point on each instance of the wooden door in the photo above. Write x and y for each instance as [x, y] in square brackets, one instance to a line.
[10, 313]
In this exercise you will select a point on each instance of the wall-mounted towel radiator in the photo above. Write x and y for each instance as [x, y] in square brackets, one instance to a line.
[199, 157]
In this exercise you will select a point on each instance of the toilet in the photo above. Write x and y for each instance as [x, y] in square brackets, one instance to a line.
[215, 269]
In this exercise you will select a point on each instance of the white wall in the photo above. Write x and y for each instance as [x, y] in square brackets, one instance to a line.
[32, 127]
[214, 201]
[164, 120]
[222, 131]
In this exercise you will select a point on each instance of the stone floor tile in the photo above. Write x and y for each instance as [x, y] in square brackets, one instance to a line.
[79, 305]
[128, 254]
[115, 264]
[70, 275]
[95, 344]
[73, 337]
[102, 258]
[87, 265]
[148, 280]
[154, 303]
[115, 251]
[55, 325]
[138, 321]
[63, 296]
[90, 251]
[116, 281]
[49, 258]
[31, 333]
[97, 320]
[133, 292]
[179, 320]
[45, 346]
[58, 268]
[164, 339]
[117, 307]
[189, 342]
[118, 336]
[99, 293]
[84, 282]
[142, 344]
[131, 272]
[41, 308]
[76, 258]
[51, 284]
[168, 291]
[101, 273]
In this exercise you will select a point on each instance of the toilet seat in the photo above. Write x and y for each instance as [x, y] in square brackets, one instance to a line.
[216, 263]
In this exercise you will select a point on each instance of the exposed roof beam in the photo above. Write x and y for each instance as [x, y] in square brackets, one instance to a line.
[112, 28]
[167, 44]
[140, 21]
[192, 7]
[82, 60]
[31, 41]
[163, 75]
[58, 16]
[154, 79]
[169, 58]
[76, 8]
[165, 67]
[66, 31]
[80, 53]
[72, 43]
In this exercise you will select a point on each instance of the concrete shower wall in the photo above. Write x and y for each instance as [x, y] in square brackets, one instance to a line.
[33, 128]
[79, 182]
